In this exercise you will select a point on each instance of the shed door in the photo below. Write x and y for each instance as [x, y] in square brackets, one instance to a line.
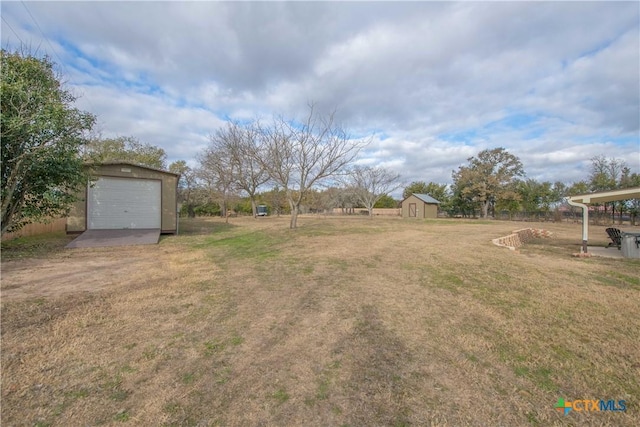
[412, 210]
[117, 203]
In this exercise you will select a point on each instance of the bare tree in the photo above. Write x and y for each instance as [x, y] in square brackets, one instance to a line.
[186, 184]
[218, 172]
[298, 156]
[238, 143]
[336, 197]
[277, 199]
[346, 200]
[370, 184]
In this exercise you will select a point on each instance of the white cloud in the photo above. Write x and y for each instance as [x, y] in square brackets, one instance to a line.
[555, 83]
[181, 131]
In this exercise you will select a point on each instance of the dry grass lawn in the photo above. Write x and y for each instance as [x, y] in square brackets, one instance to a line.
[343, 322]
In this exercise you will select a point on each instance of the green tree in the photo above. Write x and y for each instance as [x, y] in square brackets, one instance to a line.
[439, 192]
[489, 178]
[386, 201]
[529, 196]
[559, 192]
[461, 203]
[580, 187]
[537, 198]
[416, 187]
[125, 149]
[42, 134]
[511, 204]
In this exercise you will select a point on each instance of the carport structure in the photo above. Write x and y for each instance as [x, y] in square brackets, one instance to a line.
[583, 200]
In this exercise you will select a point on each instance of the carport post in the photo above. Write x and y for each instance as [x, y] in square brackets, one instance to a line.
[585, 222]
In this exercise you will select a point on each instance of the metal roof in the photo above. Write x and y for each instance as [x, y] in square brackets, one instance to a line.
[125, 163]
[426, 198]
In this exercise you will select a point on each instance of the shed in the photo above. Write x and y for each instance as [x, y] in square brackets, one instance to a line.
[121, 195]
[420, 206]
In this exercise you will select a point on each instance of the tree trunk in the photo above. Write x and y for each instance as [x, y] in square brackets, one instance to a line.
[485, 209]
[254, 207]
[223, 211]
[294, 215]
[621, 212]
[613, 212]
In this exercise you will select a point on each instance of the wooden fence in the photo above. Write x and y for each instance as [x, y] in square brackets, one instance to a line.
[361, 211]
[59, 224]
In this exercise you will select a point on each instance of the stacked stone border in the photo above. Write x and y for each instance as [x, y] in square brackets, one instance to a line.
[519, 237]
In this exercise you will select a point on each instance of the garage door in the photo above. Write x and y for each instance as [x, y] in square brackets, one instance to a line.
[117, 203]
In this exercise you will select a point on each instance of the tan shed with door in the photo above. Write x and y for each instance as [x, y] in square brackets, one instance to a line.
[123, 195]
[420, 206]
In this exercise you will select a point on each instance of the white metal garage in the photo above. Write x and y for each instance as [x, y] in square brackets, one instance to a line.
[124, 203]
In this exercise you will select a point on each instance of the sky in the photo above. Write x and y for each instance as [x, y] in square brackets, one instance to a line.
[430, 83]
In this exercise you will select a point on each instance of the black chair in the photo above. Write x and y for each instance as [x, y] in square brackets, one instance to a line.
[615, 236]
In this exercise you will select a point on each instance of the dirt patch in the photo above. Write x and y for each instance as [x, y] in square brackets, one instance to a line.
[79, 270]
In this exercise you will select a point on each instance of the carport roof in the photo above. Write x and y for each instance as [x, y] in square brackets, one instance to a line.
[607, 196]
[582, 200]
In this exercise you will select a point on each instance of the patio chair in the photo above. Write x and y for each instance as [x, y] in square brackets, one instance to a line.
[615, 236]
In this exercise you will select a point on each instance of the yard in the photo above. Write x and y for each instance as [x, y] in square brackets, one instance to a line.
[343, 322]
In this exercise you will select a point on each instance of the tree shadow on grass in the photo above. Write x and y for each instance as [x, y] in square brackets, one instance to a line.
[376, 361]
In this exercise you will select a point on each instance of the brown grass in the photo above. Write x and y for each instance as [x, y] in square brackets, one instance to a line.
[345, 321]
